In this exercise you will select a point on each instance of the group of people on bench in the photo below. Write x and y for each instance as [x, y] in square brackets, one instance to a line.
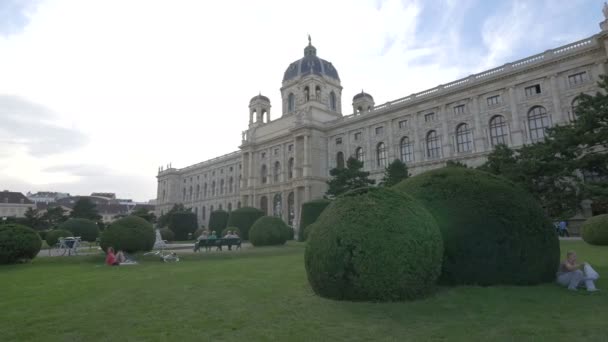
[206, 236]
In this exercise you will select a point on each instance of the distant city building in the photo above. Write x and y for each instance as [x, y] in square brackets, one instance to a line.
[14, 204]
[46, 196]
[109, 195]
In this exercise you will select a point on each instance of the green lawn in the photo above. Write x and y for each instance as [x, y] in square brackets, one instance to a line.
[262, 294]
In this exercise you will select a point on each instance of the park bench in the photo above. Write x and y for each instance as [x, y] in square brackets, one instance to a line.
[218, 243]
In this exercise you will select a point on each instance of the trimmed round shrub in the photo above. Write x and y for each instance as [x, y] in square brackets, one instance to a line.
[374, 244]
[595, 230]
[130, 234]
[86, 229]
[18, 243]
[218, 220]
[310, 212]
[52, 237]
[268, 231]
[167, 234]
[493, 231]
[182, 224]
[243, 218]
[232, 229]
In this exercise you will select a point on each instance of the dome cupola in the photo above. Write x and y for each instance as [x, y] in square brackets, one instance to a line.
[310, 64]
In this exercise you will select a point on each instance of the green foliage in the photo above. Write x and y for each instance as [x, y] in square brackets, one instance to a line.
[310, 212]
[394, 173]
[42, 234]
[232, 229]
[349, 178]
[18, 243]
[165, 219]
[595, 230]
[243, 218]
[85, 209]
[145, 214]
[166, 234]
[86, 229]
[452, 163]
[34, 219]
[182, 224]
[54, 216]
[130, 234]
[52, 237]
[218, 220]
[374, 244]
[268, 231]
[289, 233]
[493, 231]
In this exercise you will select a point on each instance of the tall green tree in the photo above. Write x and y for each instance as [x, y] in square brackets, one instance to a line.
[349, 178]
[85, 209]
[165, 219]
[54, 216]
[394, 173]
[145, 214]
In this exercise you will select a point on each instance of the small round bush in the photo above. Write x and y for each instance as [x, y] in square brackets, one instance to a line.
[374, 244]
[52, 237]
[86, 229]
[183, 224]
[232, 229]
[167, 234]
[243, 218]
[310, 212]
[268, 231]
[595, 230]
[18, 243]
[493, 231]
[130, 234]
[218, 220]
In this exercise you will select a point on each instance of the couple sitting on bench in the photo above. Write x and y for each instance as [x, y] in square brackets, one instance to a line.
[210, 240]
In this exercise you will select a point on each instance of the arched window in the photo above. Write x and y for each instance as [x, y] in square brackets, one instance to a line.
[277, 203]
[572, 114]
[464, 138]
[306, 94]
[538, 121]
[198, 190]
[264, 205]
[359, 110]
[291, 102]
[381, 155]
[265, 117]
[277, 172]
[264, 174]
[205, 190]
[318, 93]
[290, 208]
[254, 116]
[190, 193]
[222, 186]
[406, 150]
[433, 150]
[230, 184]
[184, 194]
[210, 210]
[290, 168]
[340, 160]
[164, 195]
[196, 211]
[229, 206]
[498, 130]
[238, 205]
[332, 101]
[213, 188]
[204, 213]
[359, 154]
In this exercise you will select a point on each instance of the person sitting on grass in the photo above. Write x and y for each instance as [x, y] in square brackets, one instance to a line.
[571, 274]
[113, 259]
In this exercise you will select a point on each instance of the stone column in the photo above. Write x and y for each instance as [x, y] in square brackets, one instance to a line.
[557, 107]
[305, 171]
[284, 206]
[250, 170]
[517, 136]
[479, 133]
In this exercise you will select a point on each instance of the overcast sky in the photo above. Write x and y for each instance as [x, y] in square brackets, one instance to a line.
[95, 95]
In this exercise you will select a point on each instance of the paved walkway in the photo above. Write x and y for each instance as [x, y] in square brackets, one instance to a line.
[179, 248]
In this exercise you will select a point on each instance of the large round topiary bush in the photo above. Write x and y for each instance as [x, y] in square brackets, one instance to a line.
[86, 229]
[268, 231]
[182, 224]
[18, 243]
[493, 231]
[167, 234]
[52, 236]
[218, 220]
[374, 244]
[130, 234]
[595, 230]
[243, 218]
[310, 212]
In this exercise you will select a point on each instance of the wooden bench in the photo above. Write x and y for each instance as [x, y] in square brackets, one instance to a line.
[218, 243]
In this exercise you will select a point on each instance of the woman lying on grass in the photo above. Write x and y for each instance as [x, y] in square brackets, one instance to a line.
[117, 259]
[571, 274]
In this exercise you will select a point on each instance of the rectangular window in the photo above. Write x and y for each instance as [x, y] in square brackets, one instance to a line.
[338, 141]
[276, 151]
[429, 117]
[578, 78]
[379, 130]
[459, 109]
[402, 124]
[532, 90]
[263, 155]
[290, 147]
[357, 136]
[493, 100]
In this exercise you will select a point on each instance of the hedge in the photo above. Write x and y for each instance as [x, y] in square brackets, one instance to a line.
[166, 234]
[218, 220]
[243, 218]
[595, 230]
[374, 244]
[52, 236]
[268, 231]
[310, 212]
[18, 243]
[494, 232]
[130, 234]
[86, 229]
[182, 224]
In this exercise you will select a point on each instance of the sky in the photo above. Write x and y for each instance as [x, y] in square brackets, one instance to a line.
[95, 95]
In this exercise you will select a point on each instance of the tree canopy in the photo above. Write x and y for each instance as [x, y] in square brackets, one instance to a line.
[85, 209]
[348, 178]
[394, 173]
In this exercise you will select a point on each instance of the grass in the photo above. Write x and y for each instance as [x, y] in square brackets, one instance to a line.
[261, 294]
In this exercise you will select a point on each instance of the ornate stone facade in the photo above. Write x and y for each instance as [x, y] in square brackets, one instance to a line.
[284, 162]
